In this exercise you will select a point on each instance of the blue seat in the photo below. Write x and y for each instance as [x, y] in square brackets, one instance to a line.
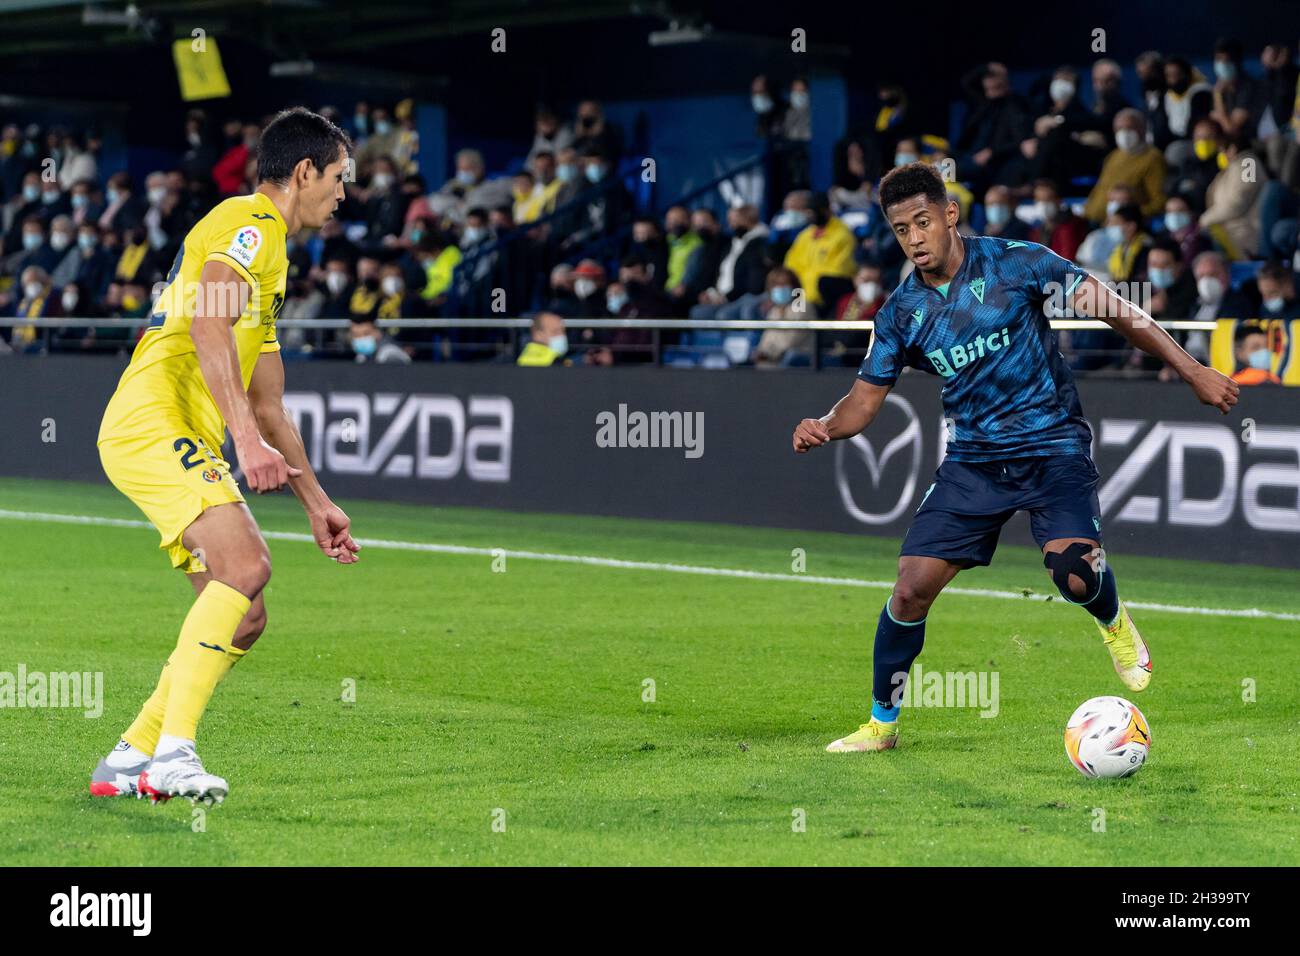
[1239, 272]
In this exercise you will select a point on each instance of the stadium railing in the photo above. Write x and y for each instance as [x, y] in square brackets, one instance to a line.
[672, 342]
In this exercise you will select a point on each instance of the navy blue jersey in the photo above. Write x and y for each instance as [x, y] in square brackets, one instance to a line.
[1007, 391]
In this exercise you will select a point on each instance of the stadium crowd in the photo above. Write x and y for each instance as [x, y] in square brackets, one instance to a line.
[1193, 191]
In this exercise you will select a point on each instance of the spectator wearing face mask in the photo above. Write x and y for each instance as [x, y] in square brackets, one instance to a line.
[370, 344]
[547, 345]
[469, 189]
[702, 267]
[1150, 69]
[1188, 98]
[794, 217]
[589, 289]
[744, 267]
[1057, 227]
[682, 242]
[988, 146]
[124, 210]
[1197, 166]
[867, 297]
[1180, 226]
[560, 297]
[621, 346]
[382, 140]
[201, 148]
[86, 202]
[1000, 220]
[1233, 201]
[37, 302]
[1277, 293]
[1134, 163]
[33, 249]
[595, 134]
[94, 265]
[337, 286]
[22, 205]
[648, 244]
[396, 301]
[606, 209]
[385, 204]
[1131, 243]
[1068, 139]
[549, 134]
[1094, 253]
[54, 202]
[1173, 288]
[1237, 97]
[363, 305]
[784, 347]
[1254, 359]
[63, 243]
[822, 256]
[546, 181]
[76, 302]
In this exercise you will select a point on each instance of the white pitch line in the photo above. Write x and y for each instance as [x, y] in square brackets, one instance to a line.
[596, 561]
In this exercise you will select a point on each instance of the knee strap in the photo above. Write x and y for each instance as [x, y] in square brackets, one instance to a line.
[1069, 562]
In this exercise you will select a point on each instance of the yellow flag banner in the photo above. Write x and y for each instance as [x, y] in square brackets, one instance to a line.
[198, 67]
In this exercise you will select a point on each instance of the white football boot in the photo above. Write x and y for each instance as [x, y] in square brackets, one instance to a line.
[180, 773]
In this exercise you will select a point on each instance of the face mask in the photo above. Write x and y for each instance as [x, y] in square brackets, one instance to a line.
[1061, 90]
[49, 198]
[381, 181]
[366, 345]
[359, 122]
[1177, 221]
[157, 195]
[902, 159]
[997, 215]
[1205, 149]
[584, 287]
[566, 172]
[1162, 278]
[86, 241]
[799, 99]
[473, 234]
[594, 172]
[1127, 139]
[194, 139]
[383, 128]
[465, 177]
[1225, 69]
[559, 344]
[417, 235]
[31, 193]
[761, 102]
[113, 195]
[33, 290]
[391, 285]
[60, 241]
[32, 240]
[336, 282]
[1209, 288]
[69, 300]
[80, 200]
[867, 291]
[1275, 304]
[1045, 211]
[1112, 206]
[615, 302]
[781, 295]
[1261, 359]
[678, 231]
[1115, 233]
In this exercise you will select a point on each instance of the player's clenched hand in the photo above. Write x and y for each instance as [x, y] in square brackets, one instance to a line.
[1212, 387]
[265, 468]
[331, 529]
[810, 433]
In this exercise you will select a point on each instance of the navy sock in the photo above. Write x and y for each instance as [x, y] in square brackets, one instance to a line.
[897, 645]
[1104, 605]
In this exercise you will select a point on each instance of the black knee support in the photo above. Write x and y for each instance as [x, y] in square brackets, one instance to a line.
[1072, 561]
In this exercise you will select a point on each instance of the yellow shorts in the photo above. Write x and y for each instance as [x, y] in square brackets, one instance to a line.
[173, 479]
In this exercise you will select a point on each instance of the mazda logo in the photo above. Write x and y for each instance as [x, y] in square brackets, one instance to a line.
[858, 450]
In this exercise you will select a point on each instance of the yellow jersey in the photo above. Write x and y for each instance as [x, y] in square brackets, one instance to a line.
[163, 389]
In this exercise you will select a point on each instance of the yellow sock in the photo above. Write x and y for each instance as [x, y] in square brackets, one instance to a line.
[202, 657]
[144, 730]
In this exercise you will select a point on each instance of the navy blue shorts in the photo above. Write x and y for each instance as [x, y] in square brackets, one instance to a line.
[964, 510]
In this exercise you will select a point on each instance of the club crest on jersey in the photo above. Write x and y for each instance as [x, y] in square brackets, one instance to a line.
[918, 316]
[959, 356]
[212, 474]
[243, 248]
[977, 290]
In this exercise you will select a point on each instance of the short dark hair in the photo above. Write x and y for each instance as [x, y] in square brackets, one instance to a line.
[1165, 244]
[904, 182]
[1130, 212]
[294, 135]
[1277, 271]
[1244, 330]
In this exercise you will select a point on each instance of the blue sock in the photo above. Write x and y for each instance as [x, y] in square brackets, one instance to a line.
[897, 645]
[1104, 605]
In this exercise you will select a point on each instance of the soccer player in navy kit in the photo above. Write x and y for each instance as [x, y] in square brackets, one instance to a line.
[973, 311]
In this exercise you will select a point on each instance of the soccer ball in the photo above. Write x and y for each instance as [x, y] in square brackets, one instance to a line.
[1107, 737]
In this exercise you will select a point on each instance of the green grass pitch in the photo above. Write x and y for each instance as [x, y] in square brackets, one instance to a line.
[479, 691]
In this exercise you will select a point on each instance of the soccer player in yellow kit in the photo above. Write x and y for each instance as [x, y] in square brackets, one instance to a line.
[210, 359]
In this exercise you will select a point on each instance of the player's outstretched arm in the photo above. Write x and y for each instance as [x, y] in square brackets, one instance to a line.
[220, 304]
[851, 414]
[1095, 299]
[330, 526]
